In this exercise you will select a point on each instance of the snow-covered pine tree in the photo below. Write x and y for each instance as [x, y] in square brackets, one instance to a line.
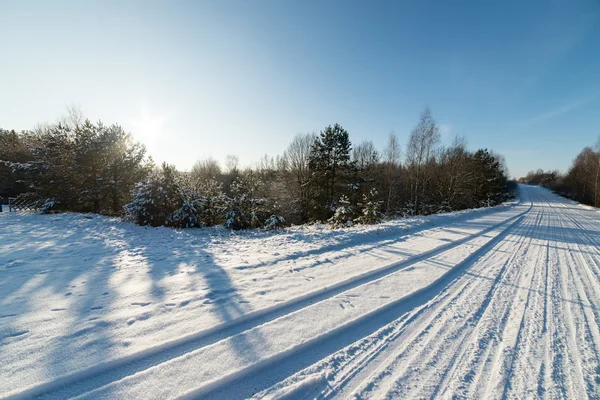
[190, 212]
[274, 222]
[370, 208]
[156, 198]
[214, 202]
[243, 209]
[343, 215]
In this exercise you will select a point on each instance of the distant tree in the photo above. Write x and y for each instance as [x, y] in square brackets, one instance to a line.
[297, 165]
[157, 198]
[596, 163]
[204, 170]
[77, 165]
[391, 168]
[215, 201]
[455, 176]
[490, 179]
[581, 178]
[232, 163]
[365, 163]
[244, 208]
[15, 160]
[329, 156]
[85, 167]
[422, 145]
[365, 155]
[73, 117]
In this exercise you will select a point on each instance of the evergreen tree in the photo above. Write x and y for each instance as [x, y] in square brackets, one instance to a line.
[370, 208]
[490, 181]
[15, 162]
[343, 215]
[244, 210]
[329, 157]
[156, 198]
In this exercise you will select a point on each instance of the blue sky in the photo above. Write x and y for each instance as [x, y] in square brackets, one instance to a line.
[210, 78]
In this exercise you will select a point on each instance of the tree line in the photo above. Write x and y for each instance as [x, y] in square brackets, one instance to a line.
[77, 165]
[581, 182]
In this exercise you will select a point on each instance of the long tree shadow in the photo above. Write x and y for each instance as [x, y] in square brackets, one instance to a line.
[85, 262]
[307, 353]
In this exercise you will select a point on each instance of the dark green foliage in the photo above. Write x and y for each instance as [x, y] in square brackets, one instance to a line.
[244, 209]
[156, 198]
[215, 201]
[343, 215]
[15, 159]
[88, 167]
[490, 182]
[370, 209]
[329, 166]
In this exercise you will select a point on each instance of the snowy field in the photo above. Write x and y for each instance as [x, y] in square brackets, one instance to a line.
[493, 303]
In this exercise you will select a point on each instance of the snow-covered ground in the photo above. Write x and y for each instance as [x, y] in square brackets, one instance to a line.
[500, 302]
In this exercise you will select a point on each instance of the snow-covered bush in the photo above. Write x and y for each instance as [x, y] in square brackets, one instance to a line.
[146, 207]
[47, 206]
[213, 202]
[188, 215]
[233, 220]
[243, 210]
[445, 207]
[370, 209]
[343, 214]
[156, 198]
[274, 222]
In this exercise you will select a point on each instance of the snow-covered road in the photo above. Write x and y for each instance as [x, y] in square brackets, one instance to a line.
[483, 304]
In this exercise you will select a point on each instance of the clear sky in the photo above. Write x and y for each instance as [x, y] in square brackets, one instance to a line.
[193, 79]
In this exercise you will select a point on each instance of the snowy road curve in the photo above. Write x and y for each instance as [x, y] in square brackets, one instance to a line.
[503, 304]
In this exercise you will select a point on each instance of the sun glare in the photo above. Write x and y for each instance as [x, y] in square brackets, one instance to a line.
[147, 126]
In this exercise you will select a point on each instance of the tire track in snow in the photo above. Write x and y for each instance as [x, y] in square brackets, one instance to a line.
[560, 379]
[535, 343]
[548, 295]
[528, 314]
[103, 374]
[450, 347]
[457, 354]
[574, 367]
[284, 365]
[525, 367]
[439, 303]
[476, 363]
[555, 351]
[448, 334]
[586, 312]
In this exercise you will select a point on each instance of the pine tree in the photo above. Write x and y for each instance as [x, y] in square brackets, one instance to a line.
[343, 215]
[490, 181]
[214, 205]
[244, 210]
[370, 208]
[156, 199]
[330, 155]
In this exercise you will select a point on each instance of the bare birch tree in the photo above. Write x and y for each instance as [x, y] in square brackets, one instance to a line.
[297, 163]
[422, 144]
[391, 168]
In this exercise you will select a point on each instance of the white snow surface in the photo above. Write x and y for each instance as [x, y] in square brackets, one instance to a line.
[489, 303]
